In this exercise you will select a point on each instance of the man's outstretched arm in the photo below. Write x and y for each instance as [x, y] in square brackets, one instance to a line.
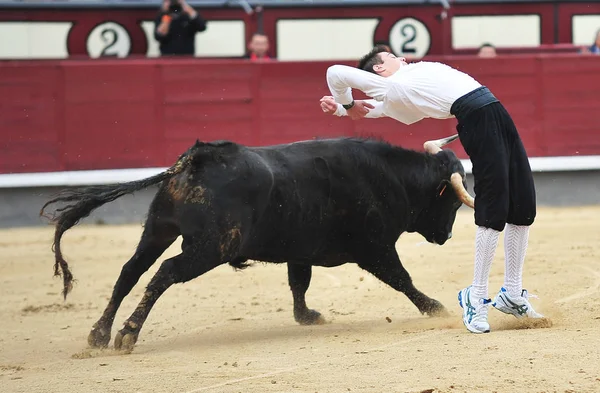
[375, 112]
[329, 106]
[342, 79]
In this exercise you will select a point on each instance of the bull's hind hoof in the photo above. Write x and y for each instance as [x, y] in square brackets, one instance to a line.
[125, 340]
[99, 337]
[436, 309]
[309, 317]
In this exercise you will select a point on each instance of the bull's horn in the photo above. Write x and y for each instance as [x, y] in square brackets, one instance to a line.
[462, 194]
[435, 146]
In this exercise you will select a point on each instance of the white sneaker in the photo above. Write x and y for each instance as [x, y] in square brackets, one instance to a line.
[475, 311]
[517, 306]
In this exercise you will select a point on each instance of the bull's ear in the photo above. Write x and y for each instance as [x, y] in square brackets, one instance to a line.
[442, 188]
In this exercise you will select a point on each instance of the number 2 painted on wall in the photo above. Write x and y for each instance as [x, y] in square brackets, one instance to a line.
[108, 35]
[109, 39]
[410, 37]
[409, 32]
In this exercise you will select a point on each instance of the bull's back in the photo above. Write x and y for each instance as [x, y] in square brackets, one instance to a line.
[297, 199]
[310, 174]
[321, 191]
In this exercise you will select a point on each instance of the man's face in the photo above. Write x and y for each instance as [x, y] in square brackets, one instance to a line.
[598, 38]
[487, 52]
[390, 64]
[259, 44]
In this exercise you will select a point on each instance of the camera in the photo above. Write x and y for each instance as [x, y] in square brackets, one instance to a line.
[174, 6]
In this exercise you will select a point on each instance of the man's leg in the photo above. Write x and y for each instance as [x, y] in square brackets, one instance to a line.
[521, 213]
[485, 144]
[516, 238]
[486, 243]
[474, 299]
[512, 298]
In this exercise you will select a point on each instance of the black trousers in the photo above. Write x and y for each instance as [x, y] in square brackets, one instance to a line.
[504, 186]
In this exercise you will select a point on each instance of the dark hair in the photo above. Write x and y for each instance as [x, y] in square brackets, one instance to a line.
[368, 61]
[486, 44]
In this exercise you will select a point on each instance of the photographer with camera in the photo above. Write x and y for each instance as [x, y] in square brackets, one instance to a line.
[176, 27]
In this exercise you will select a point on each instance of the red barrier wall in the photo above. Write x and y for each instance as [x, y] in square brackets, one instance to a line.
[555, 20]
[71, 115]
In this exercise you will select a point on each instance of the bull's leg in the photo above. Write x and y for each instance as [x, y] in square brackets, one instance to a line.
[193, 262]
[299, 279]
[155, 240]
[386, 266]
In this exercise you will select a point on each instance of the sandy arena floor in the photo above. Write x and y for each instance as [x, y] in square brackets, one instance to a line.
[234, 332]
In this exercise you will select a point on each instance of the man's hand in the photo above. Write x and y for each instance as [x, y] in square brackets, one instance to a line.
[359, 110]
[165, 23]
[328, 105]
[187, 9]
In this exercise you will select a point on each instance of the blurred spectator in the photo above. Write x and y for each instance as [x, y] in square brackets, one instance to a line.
[258, 47]
[176, 27]
[595, 47]
[487, 50]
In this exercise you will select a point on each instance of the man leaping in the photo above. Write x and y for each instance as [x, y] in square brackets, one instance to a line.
[504, 187]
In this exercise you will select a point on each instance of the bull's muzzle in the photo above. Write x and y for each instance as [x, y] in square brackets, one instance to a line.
[456, 179]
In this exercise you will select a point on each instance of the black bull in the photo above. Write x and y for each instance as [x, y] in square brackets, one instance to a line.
[311, 203]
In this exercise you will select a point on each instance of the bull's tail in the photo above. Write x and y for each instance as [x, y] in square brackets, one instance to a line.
[86, 199]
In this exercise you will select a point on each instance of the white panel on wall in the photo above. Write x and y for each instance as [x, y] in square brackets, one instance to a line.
[324, 39]
[34, 40]
[148, 27]
[221, 38]
[585, 28]
[498, 30]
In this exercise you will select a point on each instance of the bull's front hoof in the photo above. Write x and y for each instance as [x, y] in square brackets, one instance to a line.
[99, 337]
[436, 309]
[125, 340]
[309, 317]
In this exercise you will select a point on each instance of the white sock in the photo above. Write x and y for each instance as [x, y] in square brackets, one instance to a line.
[516, 238]
[486, 242]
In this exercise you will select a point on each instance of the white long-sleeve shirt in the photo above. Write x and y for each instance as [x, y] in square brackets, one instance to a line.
[414, 92]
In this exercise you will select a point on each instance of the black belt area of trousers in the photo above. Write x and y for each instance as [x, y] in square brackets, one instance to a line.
[472, 101]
